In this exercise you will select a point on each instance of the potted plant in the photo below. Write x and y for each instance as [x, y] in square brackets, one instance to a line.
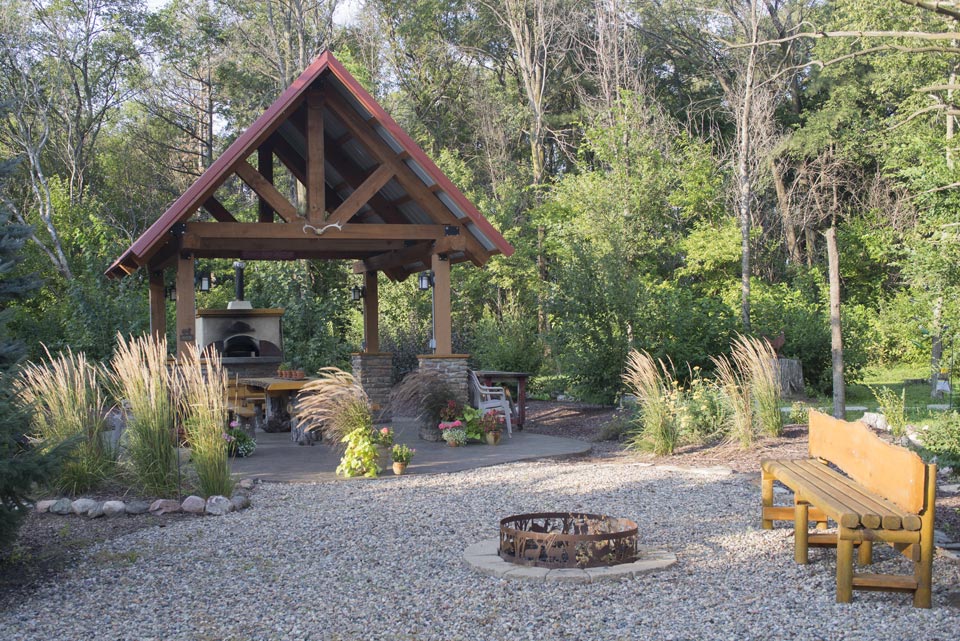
[283, 370]
[453, 433]
[239, 443]
[383, 439]
[401, 455]
[492, 425]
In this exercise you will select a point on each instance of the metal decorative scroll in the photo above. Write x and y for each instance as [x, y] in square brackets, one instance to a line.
[567, 540]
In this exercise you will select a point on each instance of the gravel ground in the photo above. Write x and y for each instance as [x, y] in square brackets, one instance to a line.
[382, 560]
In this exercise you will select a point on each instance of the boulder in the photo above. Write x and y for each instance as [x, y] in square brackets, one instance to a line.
[876, 421]
[96, 511]
[63, 506]
[137, 507]
[246, 484]
[114, 508]
[194, 505]
[44, 506]
[240, 502]
[81, 506]
[219, 505]
[164, 506]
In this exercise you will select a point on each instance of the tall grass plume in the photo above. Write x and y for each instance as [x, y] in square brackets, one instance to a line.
[653, 383]
[143, 383]
[335, 404]
[66, 401]
[202, 386]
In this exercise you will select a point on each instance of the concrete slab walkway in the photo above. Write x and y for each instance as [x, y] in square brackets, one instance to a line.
[278, 459]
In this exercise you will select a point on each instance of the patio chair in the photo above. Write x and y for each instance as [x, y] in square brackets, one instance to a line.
[490, 398]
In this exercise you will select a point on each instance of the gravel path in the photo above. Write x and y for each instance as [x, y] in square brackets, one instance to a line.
[382, 560]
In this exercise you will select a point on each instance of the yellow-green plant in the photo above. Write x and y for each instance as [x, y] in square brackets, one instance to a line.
[736, 388]
[143, 383]
[892, 405]
[360, 455]
[336, 405]
[66, 401]
[202, 391]
[653, 383]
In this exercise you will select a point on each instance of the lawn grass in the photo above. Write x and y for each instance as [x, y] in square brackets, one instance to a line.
[904, 376]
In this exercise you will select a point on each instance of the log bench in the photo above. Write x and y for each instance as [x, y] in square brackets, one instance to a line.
[886, 494]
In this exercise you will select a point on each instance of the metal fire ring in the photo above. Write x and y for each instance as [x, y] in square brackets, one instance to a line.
[567, 540]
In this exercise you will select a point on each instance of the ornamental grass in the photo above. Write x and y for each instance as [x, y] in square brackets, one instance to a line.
[652, 381]
[750, 380]
[202, 393]
[65, 398]
[144, 384]
[335, 404]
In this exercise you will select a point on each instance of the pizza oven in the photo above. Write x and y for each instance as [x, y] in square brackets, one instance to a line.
[241, 333]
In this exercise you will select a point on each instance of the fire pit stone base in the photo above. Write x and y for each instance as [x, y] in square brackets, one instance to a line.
[484, 558]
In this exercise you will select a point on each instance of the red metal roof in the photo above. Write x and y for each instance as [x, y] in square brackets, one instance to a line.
[184, 207]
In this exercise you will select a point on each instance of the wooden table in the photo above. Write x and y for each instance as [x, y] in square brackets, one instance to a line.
[280, 393]
[489, 377]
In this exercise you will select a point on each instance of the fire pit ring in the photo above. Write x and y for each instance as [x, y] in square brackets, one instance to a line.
[567, 540]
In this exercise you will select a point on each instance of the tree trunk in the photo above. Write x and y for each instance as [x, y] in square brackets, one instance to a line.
[836, 335]
[744, 149]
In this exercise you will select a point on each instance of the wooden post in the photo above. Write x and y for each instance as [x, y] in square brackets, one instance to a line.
[265, 167]
[844, 571]
[766, 498]
[371, 311]
[923, 568]
[158, 306]
[441, 305]
[316, 207]
[801, 511]
[186, 305]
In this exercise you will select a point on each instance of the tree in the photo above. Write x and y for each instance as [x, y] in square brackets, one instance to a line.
[20, 465]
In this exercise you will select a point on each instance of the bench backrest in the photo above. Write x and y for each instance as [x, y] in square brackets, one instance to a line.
[893, 472]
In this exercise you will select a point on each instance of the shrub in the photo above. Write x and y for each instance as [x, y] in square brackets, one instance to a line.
[891, 406]
[359, 455]
[652, 382]
[508, 343]
[799, 413]
[67, 405]
[703, 410]
[202, 387]
[142, 380]
[547, 387]
[336, 405]
[943, 438]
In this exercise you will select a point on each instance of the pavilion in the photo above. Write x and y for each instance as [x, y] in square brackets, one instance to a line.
[372, 195]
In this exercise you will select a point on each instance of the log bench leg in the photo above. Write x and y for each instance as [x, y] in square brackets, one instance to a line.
[766, 496]
[923, 569]
[865, 553]
[844, 571]
[801, 511]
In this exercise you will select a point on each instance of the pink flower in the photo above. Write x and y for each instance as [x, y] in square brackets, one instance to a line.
[385, 431]
[234, 423]
[450, 426]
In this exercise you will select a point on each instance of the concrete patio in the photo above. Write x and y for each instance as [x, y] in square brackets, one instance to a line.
[278, 459]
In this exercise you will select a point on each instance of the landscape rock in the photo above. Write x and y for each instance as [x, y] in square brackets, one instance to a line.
[63, 506]
[81, 506]
[953, 488]
[114, 508]
[240, 502]
[44, 506]
[96, 511]
[193, 504]
[137, 507]
[219, 505]
[246, 484]
[164, 506]
[876, 420]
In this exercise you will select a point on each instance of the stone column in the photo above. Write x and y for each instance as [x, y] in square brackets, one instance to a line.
[452, 370]
[374, 372]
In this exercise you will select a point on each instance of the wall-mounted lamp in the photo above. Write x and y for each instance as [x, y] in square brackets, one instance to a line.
[357, 292]
[203, 280]
[425, 280]
[170, 293]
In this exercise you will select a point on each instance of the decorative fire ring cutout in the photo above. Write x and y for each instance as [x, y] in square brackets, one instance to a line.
[567, 540]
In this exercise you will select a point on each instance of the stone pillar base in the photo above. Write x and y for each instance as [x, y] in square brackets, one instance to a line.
[452, 370]
[374, 372]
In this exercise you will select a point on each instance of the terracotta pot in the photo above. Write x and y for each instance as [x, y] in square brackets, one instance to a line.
[399, 468]
[493, 438]
[452, 444]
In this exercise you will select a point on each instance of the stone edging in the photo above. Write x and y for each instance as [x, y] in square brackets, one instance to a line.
[482, 557]
[90, 508]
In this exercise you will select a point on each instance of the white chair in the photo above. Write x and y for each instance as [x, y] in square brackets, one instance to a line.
[490, 398]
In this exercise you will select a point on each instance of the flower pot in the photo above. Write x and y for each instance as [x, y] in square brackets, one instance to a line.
[453, 443]
[399, 468]
[493, 438]
[383, 457]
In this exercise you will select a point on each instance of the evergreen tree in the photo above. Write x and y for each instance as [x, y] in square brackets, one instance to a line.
[20, 465]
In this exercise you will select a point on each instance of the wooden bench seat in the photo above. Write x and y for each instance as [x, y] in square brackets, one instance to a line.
[887, 494]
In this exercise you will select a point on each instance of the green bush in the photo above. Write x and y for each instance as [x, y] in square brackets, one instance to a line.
[360, 456]
[509, 343]
[703, 410]
[942, 438]
[547, 387]
[892, 405]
